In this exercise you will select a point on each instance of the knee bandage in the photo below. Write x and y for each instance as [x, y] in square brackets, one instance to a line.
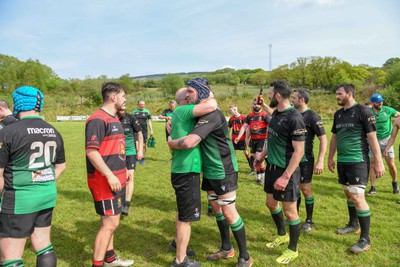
[227, 201]
[212, 197]
[356, 189]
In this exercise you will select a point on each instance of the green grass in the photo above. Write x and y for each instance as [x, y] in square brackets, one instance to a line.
[145, 233]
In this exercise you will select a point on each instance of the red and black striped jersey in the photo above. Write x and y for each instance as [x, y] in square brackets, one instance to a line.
[236, 123]
[104, 132]
[258, 125]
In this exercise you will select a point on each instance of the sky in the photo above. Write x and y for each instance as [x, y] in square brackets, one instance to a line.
[80, 39]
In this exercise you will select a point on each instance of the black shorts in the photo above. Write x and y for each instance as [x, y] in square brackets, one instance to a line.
[257, 145]
[353, 173]
[110, 207]
[188, 198]
[221, 187]
[131, 162]
[291, 193]
[23, 225]
[241, 145]
[306, 171]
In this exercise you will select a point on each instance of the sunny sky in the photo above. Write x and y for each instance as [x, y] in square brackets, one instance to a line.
[140, 37]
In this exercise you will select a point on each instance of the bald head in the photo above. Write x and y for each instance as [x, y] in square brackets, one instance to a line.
[180, 96]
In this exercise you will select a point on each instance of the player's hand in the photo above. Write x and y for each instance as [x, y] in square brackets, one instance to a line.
[168, 126]
[319, 167]
[331, 165]
[386, 152]
[379, 169]
[257, 163]
[236, 140]
[281, 183]
[114, 183]
[128, 175]
[139, 155]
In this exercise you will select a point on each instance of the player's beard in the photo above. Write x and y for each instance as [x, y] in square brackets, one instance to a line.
[273, 102]
[257, 108]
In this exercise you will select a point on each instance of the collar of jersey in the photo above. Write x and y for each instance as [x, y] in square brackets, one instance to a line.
[31, 117]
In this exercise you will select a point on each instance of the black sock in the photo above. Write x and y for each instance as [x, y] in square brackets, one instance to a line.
[110, 256]
[223, 227]
[251, 162]
[309, 208]
[294, 232]
[278, 219]
[352, 214]
[240, 236]
[364, 217]
[127, 203]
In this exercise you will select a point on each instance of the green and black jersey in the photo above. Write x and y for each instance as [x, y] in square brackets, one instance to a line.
[314, 127]
[142, 115]
[285, 126]
[10, 119]
[183, 122]
[383, 121]
[29, 149]
[131, 125]
[167, 113]
[217, 152]
[351, 127]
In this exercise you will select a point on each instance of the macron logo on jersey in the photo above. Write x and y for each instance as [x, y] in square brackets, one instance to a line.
[40, 130]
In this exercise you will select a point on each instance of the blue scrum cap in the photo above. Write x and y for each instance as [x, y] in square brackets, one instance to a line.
[377, 98]
[202, 87]
[27, 98]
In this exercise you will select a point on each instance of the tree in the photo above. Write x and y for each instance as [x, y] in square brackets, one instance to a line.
[171, 83]
[391, 62]
[260, 78]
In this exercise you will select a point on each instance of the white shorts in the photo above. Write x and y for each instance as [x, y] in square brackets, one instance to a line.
[382, 145]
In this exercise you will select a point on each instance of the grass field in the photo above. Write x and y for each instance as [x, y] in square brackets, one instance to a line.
[145, 233]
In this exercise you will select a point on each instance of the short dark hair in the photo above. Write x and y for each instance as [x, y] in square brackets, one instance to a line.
[282, 87]
[4, 104]
[109, 88]
[348, 88]
[303, 93]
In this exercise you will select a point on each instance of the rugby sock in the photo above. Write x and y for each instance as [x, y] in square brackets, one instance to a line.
[309, 208]
[298, 202]
[13, 263]
[97, 263]
[127, 203]
[278, 219]
[110, 256]
[352, 214]
[240, 235]
[46, 257]
[294, 233]
[262, 171]
[364, 217]
[223, 227]
[251, 162]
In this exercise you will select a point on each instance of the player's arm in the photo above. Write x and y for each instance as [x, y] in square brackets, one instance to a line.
[241, 132]
[151, 127]
[332, 152]
[392, 138]
[186, 142]
[98, 162]
[375, 148]
[162, 116]
[258, 160]
[139, 148]
[397, 114]
[323, 144]
[205, 107]
[248, 137]
[59, 169]
[298, 153]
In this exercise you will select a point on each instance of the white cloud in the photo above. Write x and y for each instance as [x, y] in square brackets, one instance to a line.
[295, 3]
